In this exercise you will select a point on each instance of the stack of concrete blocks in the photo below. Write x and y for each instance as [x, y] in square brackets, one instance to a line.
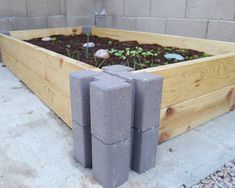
[115, 121]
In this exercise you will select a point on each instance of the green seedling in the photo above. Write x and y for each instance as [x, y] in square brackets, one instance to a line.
[68, 52]
[78, 55]
[205, 55]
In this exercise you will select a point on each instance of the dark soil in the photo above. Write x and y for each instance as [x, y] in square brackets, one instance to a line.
[129, 53]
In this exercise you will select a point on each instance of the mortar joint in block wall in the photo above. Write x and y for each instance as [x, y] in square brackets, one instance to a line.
[108, 135]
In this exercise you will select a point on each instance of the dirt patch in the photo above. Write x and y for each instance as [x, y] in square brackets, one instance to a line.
[128, 53]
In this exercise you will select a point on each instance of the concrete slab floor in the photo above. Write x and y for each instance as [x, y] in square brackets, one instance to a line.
[36, 147]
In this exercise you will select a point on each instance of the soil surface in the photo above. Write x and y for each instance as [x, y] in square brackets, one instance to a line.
[128, 53]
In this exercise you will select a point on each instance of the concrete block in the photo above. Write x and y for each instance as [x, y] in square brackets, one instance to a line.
[80, 96]
[82, 144]
[43, 7]
[110, 103]
[221, 30]
[73, 21]
[137, 7]
[148, 94]
[116, 68]
[56, 21]
[210, 9]
[168, 8]
[110, 163]
[106, 21]
[153, 25]
[80, 8]
[187, 27]
[115, 7]
[63, 7]
[24, 23]
[6, 24]
[126, 23]
[144, 150]
[13, 8]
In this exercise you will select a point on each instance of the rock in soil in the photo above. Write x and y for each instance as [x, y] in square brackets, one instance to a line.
[46, 39]
[89, 45]
[222, 178]
[103, 54]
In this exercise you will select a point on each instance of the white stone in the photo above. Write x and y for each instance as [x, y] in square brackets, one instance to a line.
[46, 39]
[89, 45]
[177, 57]
[104, 54]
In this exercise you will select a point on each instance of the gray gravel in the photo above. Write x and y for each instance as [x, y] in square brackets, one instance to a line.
[222, 178]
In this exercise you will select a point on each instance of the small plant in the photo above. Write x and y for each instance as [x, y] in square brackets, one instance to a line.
[78, 55]
[205, 55]
[69, 54]
[53, 39]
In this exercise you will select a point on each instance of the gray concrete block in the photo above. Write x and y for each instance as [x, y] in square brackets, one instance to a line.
[80, 96]
[148, 94]
[116, 68]
[73, 21]
[110, 163]
[137, 7]
[80, 8]
[168, 8]
[221, 30]
[13, 8]
[63, 7]
[82, 144]
[110, 103]
[115, 7]
[43, 7]
[153, 25]
[210, 9]
[187, 27]
[56, 21]
[126, 23]
[6, 24]
[144, 150]
[24, 23]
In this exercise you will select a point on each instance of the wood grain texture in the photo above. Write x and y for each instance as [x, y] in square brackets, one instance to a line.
[187, 80]
[187, 115]
[54, 98]
[29, 34]
[209, 46]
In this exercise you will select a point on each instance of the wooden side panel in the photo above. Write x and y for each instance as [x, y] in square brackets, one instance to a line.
[187, 80]
[55, 99]
[45, 73]
[29, 34]
[208, 46]
[50, 66]
[184, 116]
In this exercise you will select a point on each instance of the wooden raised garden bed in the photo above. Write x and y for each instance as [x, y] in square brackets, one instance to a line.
[194, 91]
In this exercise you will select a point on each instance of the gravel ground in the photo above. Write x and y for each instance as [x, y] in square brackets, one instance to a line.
[222, 178]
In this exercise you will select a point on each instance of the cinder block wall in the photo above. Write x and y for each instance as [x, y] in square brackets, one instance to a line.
[35, 14]
[212, 19]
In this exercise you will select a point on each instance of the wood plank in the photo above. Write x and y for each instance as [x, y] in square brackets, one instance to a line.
[29, 34]
[53, 67]
[209, 46]
[185, 116]
[48, 93]
[184, 81]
